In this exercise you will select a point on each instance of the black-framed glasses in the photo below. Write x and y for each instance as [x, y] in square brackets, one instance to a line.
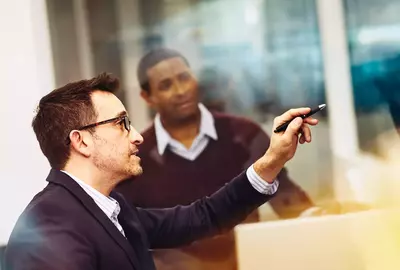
[120, 119]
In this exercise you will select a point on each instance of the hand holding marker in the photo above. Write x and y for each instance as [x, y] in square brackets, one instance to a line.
[313, 111]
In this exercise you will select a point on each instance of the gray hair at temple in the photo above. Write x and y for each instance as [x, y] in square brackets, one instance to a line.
[151, 59]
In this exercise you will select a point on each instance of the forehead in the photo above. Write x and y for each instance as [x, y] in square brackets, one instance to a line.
[107, 105]
[167, 68]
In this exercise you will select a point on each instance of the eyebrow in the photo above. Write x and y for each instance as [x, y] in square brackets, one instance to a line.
[164, 80]
[122, 113]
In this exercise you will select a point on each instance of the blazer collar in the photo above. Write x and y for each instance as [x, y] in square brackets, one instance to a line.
[59, 178]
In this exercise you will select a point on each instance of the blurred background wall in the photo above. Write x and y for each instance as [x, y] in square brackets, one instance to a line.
[27, 73]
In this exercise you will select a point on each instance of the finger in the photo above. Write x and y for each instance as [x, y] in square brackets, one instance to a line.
[293, 128]
[306, 132]
[289, 115]
[311, 121]
[302, 140]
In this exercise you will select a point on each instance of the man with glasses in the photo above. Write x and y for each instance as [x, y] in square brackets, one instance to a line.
[78, 222]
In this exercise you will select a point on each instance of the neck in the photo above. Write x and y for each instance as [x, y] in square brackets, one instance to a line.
[99, 180]
[184, 131]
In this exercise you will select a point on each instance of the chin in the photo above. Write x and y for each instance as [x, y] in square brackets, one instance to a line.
[132, 173]
[187, 115]
[137, 171]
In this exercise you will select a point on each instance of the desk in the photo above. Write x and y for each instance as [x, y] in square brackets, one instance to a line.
[368, 240]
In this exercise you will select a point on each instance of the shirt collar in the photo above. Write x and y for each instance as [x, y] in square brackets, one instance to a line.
[108, 204]
[207, 128]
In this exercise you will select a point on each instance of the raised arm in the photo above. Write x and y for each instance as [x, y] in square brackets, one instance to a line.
[209, 216]
[290, 200]
[231, 204]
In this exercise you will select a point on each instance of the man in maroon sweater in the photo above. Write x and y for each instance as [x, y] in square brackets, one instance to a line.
[189, 153]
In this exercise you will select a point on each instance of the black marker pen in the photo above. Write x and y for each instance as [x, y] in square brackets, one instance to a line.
[313, 111]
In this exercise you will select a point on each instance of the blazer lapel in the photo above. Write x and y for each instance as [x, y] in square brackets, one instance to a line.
[135, 232]
[60, 178]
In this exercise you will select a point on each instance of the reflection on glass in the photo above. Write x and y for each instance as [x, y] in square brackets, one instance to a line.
[374, 41]
[261, 57]
[254, 58]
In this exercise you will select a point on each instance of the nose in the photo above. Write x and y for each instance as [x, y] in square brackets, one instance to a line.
[180, 89]
[135, 136]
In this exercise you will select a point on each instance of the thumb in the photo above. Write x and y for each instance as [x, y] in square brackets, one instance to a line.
[294, 126]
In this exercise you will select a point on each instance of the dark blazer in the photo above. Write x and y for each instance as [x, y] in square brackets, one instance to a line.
[63, 228]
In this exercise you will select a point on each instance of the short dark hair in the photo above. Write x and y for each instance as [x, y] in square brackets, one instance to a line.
[151, 59]
[64, 109]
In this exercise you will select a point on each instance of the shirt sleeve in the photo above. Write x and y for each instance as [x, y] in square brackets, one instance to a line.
[259, 184]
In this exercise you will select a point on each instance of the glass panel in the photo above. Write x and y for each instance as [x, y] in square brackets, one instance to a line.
[254, 58]
[374, 42]
[251, 58]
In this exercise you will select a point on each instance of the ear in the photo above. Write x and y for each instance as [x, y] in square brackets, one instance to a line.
[81, 142]
[147, 97]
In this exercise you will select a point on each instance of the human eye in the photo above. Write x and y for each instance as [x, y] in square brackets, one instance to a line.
[183, 77]
[120, 123]
[164, 85]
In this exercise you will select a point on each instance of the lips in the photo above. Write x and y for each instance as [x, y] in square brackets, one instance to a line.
[184, 104]
[184, 99]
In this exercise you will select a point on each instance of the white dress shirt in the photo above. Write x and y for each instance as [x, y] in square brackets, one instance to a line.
[108, 205]
[207, 132]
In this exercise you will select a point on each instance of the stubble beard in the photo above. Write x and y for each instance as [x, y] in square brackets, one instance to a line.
[112, 165]
[136, 170]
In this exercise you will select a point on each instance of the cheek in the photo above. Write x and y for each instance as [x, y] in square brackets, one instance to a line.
[192, 87]
[114, 145]
[122, 147]
[163, 101]
[193, 84]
